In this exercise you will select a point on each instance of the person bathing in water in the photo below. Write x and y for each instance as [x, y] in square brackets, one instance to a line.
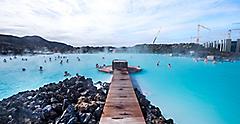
[66, 74]
[97, 66]
[40, 68]
[158, 63]
[206, 60]
[77, 75]
[169, 65]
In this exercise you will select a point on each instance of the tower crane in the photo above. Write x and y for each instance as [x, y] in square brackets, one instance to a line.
[155, 38]
[230, 32]
[198, 31]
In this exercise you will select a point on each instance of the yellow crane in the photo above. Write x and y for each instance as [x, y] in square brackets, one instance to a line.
[198, 31]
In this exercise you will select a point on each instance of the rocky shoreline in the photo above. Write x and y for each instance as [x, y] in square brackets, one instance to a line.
[71, 101]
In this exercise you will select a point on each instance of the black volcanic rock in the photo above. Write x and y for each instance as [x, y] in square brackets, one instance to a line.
[18, 45]
[56, 103]
[71, 101]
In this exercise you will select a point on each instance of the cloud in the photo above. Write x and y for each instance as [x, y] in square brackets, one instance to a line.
[117, 22]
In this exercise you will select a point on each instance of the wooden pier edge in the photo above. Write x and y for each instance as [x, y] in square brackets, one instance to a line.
[121, 105]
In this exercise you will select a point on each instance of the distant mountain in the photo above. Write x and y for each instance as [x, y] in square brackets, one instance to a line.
[30, 44]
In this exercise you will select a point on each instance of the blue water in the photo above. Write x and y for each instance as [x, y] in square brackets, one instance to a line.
[189, 92]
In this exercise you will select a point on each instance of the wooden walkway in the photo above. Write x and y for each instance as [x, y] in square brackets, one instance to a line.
[121, 106]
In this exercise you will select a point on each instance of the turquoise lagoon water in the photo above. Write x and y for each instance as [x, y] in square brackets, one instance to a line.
[189, 92]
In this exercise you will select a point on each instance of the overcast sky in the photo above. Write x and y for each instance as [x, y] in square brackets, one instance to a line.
[119, 22]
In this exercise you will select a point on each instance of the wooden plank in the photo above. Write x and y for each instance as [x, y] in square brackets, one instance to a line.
[121, 106]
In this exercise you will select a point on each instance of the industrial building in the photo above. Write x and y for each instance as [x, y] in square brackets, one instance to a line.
[226, 45]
